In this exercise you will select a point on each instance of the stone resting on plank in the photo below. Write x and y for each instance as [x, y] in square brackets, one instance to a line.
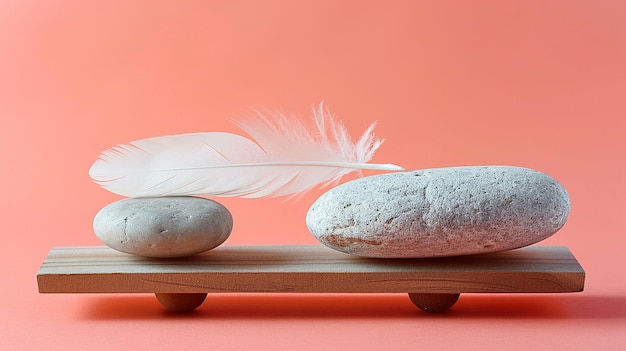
[426, 213]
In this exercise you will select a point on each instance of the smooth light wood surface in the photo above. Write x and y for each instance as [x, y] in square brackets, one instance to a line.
[307, 269]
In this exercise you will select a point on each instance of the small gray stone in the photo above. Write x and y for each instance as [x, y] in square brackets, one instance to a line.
[163, 226]
[440, 212]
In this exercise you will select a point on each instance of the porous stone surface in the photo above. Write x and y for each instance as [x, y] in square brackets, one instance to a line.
[440, 212]
[163, 226]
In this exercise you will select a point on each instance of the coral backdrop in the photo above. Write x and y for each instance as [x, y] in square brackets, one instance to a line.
[540, 84]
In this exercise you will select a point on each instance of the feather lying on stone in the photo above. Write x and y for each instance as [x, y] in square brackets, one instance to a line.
[283, 157]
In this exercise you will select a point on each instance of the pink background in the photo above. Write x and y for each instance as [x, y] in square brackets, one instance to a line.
[540, 84]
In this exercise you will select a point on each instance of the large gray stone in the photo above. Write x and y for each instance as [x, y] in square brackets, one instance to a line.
[163, 226]
[440, 212]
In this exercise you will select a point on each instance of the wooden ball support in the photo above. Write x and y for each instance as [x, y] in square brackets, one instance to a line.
[434, 285]
[434, 303]
[181, 302]
[187, 302]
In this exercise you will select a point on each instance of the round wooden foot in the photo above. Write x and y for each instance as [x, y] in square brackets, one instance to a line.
[181, 302]
[433, 303]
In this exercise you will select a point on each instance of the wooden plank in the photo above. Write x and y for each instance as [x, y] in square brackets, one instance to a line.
[308, 269]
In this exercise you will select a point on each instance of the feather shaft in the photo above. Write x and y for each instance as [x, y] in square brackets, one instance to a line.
[355, 166]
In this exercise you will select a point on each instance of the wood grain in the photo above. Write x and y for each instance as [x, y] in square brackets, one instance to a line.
[308, 269]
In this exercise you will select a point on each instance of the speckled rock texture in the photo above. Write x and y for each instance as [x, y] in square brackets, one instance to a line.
[163, 226]
[440, 212]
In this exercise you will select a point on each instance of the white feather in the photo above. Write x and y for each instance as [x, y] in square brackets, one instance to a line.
[285, 158]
